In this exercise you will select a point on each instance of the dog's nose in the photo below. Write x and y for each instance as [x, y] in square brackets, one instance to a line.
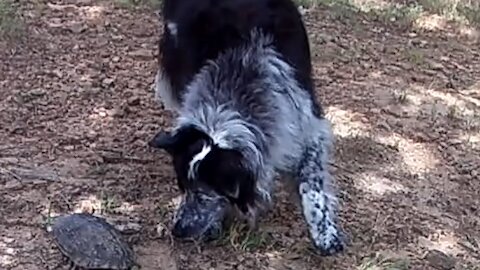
[187, 228]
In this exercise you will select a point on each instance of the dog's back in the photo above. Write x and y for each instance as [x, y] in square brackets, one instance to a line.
[251, 87]
[198, 30]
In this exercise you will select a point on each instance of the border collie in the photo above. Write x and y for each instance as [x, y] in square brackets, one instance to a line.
[246, 113]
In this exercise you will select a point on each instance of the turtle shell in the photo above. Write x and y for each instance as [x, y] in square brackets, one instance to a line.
[92, 243]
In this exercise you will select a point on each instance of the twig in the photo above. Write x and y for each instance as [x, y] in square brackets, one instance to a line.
[119, 158]
[8, 172]
[342, 168]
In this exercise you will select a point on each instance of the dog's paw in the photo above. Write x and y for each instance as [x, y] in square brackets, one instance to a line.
[331, 242]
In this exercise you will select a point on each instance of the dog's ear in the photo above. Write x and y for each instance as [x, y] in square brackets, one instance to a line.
[179, 140]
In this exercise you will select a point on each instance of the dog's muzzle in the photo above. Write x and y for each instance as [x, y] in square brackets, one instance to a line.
[200, 216]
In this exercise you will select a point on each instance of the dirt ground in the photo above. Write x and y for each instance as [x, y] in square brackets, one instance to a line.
[77, 109]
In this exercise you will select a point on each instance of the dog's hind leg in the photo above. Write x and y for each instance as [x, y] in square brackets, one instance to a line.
[317, 197]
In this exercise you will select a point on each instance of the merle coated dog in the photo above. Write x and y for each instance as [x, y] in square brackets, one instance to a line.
[237, 73]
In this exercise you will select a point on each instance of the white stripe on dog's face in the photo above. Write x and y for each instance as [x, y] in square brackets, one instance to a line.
[196, 159]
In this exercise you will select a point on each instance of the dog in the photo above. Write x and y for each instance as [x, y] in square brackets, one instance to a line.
[246, 113]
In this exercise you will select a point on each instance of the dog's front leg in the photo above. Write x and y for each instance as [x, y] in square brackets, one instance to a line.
[317, 198]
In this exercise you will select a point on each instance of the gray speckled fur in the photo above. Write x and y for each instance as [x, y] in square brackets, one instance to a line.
[247, 99]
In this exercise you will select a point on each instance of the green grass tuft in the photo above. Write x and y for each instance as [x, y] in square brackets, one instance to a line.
[242, 239]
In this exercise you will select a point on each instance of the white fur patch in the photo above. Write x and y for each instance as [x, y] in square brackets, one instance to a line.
[172, 28]
[163, 91]
[197, 158]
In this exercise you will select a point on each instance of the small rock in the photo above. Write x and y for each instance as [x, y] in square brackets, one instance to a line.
[116, 59]
[117, 37]
[57, 73]
[102, 42]
[142, 54]
[77, 28]
[440, 260]
[384, 125]
[85, 207]
[12, 184]
[118, 112]
[474, 173]
[8, 240]
[108, 81]
[102, 114]
[28, 235]
[435, 65]
[132, 84]
[455, 141]
[375, 110]
[91, 135]
[405, 66]
[161, 230]
[130, 227]
[133, 101]
[69, 147]
[37, 92]
[92, 91]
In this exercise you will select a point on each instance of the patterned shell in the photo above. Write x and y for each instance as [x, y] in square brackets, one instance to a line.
[92, 243]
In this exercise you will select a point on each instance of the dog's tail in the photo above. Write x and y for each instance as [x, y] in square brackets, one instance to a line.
[317, 196]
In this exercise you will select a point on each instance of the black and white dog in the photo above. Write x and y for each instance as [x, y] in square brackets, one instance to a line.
[237, 72]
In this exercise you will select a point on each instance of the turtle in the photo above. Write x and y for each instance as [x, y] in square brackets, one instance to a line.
[90, 242]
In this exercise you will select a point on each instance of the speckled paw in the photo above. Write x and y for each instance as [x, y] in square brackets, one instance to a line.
[335, 245]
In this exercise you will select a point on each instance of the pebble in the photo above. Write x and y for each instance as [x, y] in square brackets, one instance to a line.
[133, 101]
[92, 135]
[384, 125]
[130, 227]
[12, 184]
[108, 81]
[8, 240]
[142, 54]
[118, 112]
[37, 92]
[440, 260]
[161, 230]
[77, 28]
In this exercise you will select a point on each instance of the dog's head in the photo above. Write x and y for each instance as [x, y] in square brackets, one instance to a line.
[211, 178]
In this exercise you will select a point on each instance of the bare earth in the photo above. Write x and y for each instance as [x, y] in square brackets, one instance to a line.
[76, 111]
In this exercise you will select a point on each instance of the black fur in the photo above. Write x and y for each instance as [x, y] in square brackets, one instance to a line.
[217, 167]
[209, 27]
